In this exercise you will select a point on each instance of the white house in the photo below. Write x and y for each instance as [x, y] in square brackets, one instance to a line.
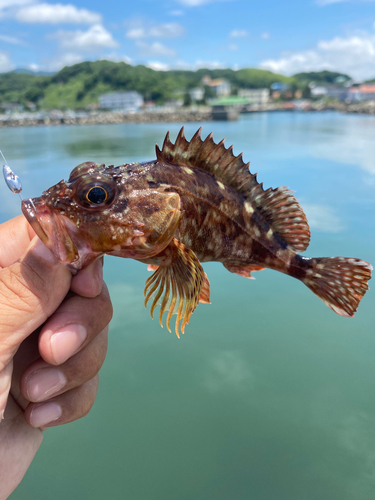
[256, 96]
[318, 91]
[220, 86]
[126, 101]
[196, 94]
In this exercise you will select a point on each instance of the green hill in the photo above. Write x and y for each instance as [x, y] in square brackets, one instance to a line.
[81, 85]
[323, 78]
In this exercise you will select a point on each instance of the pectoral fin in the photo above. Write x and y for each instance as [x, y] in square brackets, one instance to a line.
[178, 284]
[204, 297]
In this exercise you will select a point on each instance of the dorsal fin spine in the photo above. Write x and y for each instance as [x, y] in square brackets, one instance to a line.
[279, 207]
[166, 140]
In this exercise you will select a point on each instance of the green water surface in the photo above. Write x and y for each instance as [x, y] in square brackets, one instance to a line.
[269, 395]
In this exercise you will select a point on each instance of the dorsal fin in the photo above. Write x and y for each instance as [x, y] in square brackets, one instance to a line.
[279, 207]
[209, 156]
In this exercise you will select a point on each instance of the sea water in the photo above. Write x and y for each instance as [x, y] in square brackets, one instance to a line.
[269, 395]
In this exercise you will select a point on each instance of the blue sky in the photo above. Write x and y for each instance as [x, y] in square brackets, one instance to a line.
[285, 36]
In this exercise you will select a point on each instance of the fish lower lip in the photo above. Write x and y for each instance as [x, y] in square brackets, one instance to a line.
[29, 211]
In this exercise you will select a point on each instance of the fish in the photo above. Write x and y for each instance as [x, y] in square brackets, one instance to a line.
[196, 202]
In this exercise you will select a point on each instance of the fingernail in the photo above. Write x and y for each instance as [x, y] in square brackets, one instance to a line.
[66, 342]
[44, 383]
[45, 414]
[42, 251]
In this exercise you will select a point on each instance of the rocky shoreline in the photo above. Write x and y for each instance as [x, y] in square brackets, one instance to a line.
[81, 118]
[178, 115]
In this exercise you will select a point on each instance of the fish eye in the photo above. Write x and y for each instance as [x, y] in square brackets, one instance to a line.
[97, 195]
[95, 192]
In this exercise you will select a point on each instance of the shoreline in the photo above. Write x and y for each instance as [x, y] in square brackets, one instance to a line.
[202, 114]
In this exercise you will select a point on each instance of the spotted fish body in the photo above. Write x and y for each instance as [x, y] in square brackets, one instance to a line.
[196, 202]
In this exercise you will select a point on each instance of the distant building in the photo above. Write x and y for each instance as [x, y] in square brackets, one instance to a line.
[318, 91]
[174, 103]
[255, 96]
[124, 101]
[220, 86]
[196, 94]
[281, 87]
[340, 93]
[332, 92]
[365, 92]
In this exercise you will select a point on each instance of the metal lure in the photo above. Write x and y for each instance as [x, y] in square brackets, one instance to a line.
[12, 180]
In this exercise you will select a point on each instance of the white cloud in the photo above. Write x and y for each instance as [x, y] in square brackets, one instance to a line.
[11, 39]
[238, 34]
[209, 65]
[157, 66]
[4, 4]
[228, 371]
[176, 13]
[67, 59]
[354, 146]
[154, 49]
[265, 35]
[354, 55]
[199, 65]
[322, 218]
[167, 30]
[5, 64]
[233, 46]
[55, 14]
[96, 37]
[34, 67]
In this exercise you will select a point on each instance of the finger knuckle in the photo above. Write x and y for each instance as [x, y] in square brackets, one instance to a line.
[91, 390]
[92, 358]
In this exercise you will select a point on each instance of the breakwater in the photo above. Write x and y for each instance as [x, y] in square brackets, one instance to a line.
[95, 118]
[181, 115]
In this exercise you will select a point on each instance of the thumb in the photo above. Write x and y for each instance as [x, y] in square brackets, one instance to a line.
[31, 289]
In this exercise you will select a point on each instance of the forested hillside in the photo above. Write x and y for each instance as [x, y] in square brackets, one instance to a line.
[323, 78]
[80, 85]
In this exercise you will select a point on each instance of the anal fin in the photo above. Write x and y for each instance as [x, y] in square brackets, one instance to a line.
[178, 284]
[243, 270]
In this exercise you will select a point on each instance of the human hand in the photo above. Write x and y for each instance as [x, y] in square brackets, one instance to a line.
[53, 340]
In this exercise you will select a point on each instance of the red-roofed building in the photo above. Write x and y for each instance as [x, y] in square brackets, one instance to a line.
[364, 92]
[220, 86]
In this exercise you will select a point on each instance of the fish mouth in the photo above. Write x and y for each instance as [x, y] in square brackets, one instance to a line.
[50, 228]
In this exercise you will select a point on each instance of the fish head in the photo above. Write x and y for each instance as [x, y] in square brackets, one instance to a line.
[100, 211]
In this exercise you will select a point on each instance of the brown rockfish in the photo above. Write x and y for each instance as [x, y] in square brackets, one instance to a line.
[196, 202]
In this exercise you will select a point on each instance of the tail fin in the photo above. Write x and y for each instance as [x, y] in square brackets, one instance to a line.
[339, 282]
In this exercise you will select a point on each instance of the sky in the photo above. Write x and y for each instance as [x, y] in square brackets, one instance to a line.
[287, 37]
